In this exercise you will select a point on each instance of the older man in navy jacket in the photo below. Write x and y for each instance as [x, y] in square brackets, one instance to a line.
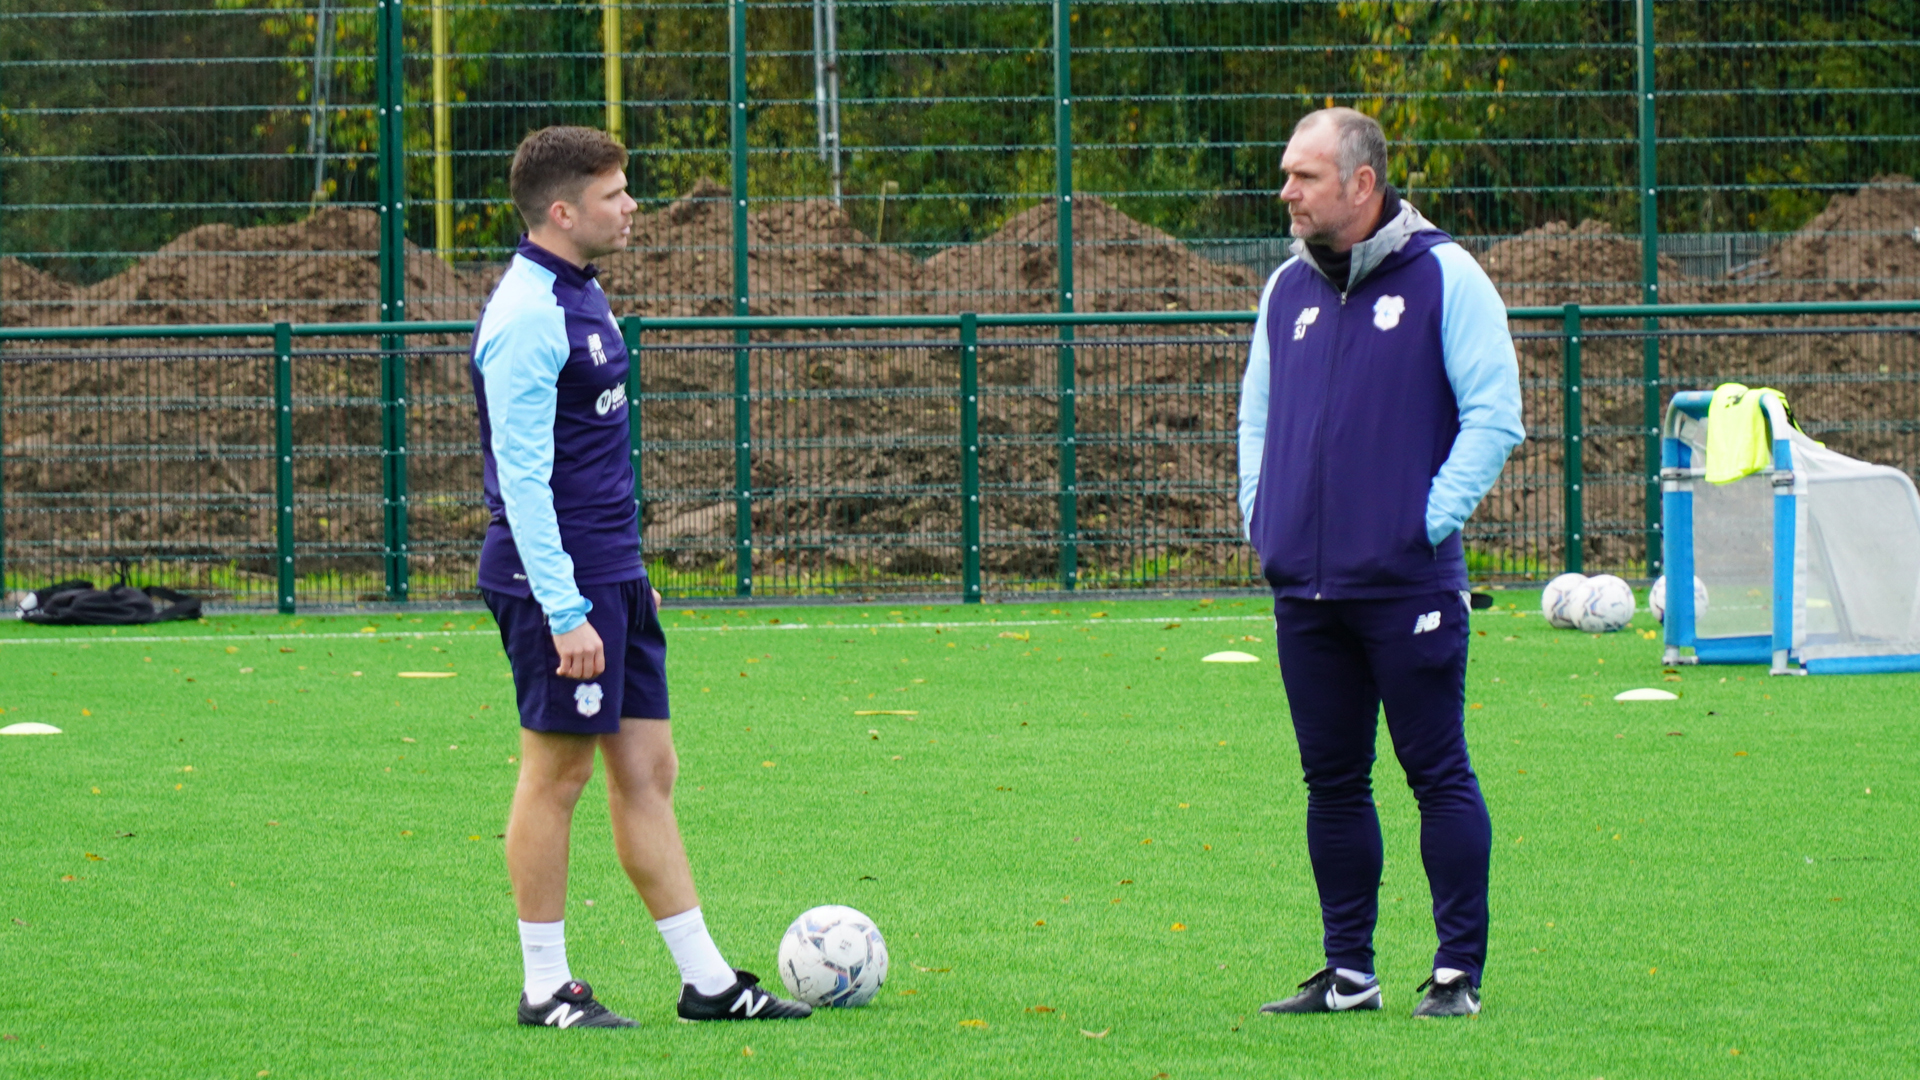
[1380, 402]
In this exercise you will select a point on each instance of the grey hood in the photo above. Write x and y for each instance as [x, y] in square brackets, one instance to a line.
[1368, 254]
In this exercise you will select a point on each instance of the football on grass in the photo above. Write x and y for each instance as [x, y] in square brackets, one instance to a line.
[1554, 599]
[1601, 604]
[833, 956]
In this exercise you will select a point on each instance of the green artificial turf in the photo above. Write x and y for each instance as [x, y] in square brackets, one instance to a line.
[269, 856]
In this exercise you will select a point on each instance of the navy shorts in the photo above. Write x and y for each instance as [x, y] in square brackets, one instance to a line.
[634, 683]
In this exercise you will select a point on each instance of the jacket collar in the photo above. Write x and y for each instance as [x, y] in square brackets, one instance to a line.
[563, 270]
[1392, 235]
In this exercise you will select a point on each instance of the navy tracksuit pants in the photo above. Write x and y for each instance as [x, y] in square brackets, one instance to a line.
[1341, 661]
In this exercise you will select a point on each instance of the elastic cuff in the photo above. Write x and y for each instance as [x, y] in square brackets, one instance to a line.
[569, 620]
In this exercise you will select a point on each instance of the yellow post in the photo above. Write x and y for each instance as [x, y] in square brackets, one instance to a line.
[442, 138]
[610, 45]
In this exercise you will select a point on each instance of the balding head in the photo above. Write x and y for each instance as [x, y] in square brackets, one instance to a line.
[1357, 138]
[1336, 166]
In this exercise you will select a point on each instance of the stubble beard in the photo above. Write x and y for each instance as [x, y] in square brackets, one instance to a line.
[1313, 233]
[612, 245]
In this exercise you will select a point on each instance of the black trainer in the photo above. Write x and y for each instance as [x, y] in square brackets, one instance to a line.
[1458, 997]
[1327, 990]
[572, 1006]
[744, 1000]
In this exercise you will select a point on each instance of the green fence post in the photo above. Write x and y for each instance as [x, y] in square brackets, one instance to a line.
[283, 460]
[969, 459]
[630, 331]
[1573, 426]
[1063, 185]
[390, 89]
[1650, 289]
[3, 404]
[3, 481]
[742, 358]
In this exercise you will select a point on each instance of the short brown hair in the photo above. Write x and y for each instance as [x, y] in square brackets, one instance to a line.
[554, 163]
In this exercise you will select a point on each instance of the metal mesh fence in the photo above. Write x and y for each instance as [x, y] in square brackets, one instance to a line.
[245, 161]
[859, 463]
[167, 165]
[1852, 384]
[818, 461]
[334, 161]
[138, 457]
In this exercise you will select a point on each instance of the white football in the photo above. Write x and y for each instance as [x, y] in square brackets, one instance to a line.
[1553, 601]
[833, 956]
[1657, 598]
[1601, 605]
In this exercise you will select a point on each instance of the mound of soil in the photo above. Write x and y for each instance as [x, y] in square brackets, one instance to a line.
[1119, 264]
[1863, 246]
[33, 297]
[325, 268]
[1873, 233]
[1588, 263]
[875, 472]
[804, 258]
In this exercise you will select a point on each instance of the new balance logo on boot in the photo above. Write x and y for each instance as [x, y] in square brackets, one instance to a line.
[571, 1006]
[1326, 991]
[744, 1000]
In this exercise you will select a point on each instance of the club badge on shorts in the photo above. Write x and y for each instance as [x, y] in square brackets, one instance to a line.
[586, 698]
[1387, 310]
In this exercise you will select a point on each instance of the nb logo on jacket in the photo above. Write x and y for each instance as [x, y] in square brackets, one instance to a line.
[1305, 320]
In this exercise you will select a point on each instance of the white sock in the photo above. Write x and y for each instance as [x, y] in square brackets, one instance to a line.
[701, 965]
[1447, 975]
[543, 949]
[1364, 978]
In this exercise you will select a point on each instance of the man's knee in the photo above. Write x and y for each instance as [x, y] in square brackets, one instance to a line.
[644, 769]
[557, 769]
[1445, 788]
[659, 772]
[1342, 787]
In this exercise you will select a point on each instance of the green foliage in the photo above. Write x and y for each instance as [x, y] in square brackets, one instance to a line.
[1502, 114]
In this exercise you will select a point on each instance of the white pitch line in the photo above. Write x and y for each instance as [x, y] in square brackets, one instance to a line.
[954, 625]
[417, 635]
[414, 634]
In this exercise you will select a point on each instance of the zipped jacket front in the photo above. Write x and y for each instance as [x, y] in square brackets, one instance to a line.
[1361, 416]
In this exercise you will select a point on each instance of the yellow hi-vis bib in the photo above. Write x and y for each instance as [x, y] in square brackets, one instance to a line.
[1738, 441]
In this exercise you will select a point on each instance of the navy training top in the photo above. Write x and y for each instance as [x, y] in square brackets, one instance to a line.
[549, 370]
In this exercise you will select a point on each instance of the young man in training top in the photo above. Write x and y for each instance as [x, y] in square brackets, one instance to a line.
[561, 571]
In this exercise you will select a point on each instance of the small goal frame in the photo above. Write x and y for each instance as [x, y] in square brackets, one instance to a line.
[1765, 532]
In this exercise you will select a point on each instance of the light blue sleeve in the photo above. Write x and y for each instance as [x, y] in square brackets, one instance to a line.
[521, 364]
[1254, 390]
[1485, 377]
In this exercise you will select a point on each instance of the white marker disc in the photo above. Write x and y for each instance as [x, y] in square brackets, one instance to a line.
[1229, 657]
[1645, 693]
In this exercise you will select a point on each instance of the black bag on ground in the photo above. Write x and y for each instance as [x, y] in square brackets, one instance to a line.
[78, 603]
